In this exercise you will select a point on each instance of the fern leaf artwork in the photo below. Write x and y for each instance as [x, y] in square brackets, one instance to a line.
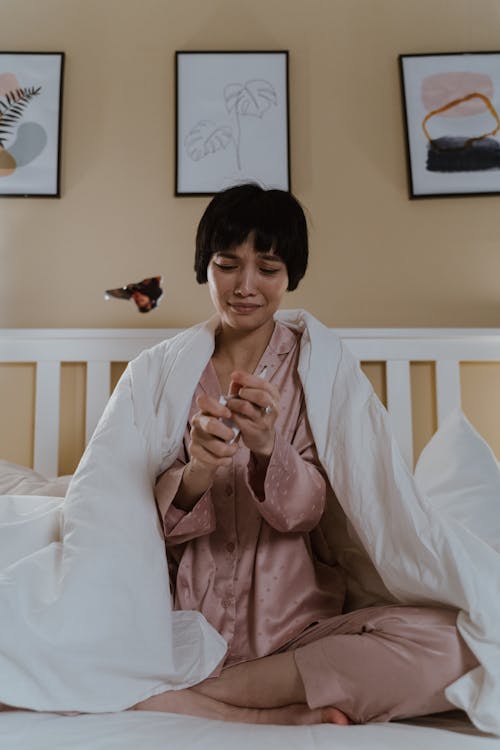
[12, 107]
[206, 137]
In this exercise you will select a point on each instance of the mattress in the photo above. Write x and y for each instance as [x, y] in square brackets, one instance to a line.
[147, 730]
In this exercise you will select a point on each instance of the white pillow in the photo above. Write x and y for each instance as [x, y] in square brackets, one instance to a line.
[460, 475]
[19, 480]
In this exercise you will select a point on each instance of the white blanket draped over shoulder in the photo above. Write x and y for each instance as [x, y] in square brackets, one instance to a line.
[86, 618]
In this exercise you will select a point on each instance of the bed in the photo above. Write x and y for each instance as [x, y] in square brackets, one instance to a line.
[98, 349]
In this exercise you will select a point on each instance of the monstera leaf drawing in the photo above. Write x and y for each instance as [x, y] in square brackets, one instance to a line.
[207, 138]
[251, 98]
[12, 106]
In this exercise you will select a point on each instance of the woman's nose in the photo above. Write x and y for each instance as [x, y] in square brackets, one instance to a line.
[246, 282]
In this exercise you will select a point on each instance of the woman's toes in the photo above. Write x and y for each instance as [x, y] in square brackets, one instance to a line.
[331, 715]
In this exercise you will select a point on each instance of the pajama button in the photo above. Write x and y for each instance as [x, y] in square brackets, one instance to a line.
[228, 490]
[230, 547]
[226, 603]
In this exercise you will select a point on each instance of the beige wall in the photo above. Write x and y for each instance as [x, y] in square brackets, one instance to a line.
[377, 258]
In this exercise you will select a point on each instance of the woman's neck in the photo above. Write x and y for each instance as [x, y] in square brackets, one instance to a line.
[242, 350]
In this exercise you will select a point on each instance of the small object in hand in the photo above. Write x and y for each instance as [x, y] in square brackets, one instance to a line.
[236, 430]
[224, 399]
[268, 410]
[146, 293]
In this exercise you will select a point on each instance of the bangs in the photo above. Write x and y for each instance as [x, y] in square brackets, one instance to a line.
[230, 237]
[257, 219]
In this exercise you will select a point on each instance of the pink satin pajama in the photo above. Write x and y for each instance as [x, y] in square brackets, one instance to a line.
[382, 663]
[251, 557]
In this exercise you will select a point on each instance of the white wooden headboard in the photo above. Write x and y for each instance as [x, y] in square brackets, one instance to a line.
[98, 348]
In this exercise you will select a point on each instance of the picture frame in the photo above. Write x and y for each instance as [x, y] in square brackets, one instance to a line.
[231, 120]
[451, 107]
[31, 88]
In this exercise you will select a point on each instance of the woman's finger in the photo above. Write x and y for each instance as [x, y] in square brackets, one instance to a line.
[202, 455]
[204, 427]
[257, 396]
[211, 407]
[243, 408]
[244, 383]
[246, 380]
[214, 446]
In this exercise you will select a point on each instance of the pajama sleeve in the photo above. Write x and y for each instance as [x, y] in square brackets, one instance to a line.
[180, 526]
[291, 494]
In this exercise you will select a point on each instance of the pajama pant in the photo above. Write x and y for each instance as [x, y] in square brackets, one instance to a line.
[382, 663]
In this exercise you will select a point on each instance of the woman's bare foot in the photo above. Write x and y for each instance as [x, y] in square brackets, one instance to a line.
[194, 704]
[331, 715]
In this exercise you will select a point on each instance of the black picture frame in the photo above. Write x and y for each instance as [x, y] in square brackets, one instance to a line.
[232, 122]
[458, 154]
[31, 93]
[451, 106]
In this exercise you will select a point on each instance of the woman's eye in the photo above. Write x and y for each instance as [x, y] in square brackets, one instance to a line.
[224, 267]
[232, 267]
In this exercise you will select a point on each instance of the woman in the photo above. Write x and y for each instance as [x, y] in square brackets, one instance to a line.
[242, 516]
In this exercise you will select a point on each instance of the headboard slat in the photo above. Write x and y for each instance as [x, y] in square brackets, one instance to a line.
[98, 385]
[399, 405]
[447, 388]
[47, 407]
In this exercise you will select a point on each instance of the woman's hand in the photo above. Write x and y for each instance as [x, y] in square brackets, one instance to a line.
[209, 445]
[209, 448]
[254, 411]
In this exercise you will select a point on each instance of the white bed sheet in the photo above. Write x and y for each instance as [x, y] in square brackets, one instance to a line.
[145, 730]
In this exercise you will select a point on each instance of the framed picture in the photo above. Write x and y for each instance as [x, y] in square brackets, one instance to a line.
[232, 122]
[30, 123]
[451, 104]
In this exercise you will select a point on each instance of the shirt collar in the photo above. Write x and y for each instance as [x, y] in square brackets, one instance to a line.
[282, 341]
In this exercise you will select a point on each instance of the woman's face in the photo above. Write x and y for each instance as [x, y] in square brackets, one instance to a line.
[246, 286]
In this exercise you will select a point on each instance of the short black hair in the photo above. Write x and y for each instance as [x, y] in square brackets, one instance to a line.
[275, 217]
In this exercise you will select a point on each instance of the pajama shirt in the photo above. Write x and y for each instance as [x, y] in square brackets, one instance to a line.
[251, 557]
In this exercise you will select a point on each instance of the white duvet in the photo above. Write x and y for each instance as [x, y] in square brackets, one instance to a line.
[86, 621]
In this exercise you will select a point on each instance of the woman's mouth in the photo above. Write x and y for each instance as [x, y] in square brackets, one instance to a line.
[242, 309]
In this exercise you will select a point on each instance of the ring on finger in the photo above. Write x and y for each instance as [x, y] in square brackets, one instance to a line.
[267, 410]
